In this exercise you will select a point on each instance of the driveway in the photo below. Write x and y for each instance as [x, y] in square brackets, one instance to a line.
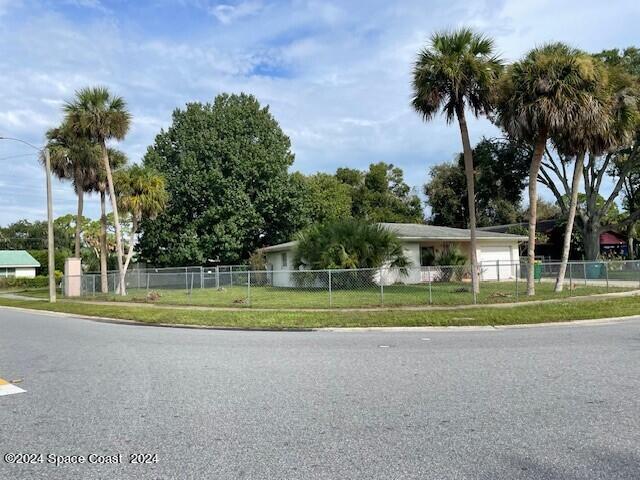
[536, 403]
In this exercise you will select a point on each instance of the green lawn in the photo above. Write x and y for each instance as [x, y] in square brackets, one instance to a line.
[521, 314]
[451, 293]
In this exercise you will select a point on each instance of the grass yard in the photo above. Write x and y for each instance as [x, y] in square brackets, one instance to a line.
[577, 309]
[445, 294]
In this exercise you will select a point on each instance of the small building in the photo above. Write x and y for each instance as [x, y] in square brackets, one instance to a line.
[497, 253]
[17, 263]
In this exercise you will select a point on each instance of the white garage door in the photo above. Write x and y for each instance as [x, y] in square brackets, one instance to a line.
[496, 263]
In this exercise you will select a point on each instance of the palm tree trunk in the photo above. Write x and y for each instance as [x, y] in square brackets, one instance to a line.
[568, 230]
[79, 222]
[116, 218]
[534, 169]
[104, 279]
[134, 229]
[471, 197]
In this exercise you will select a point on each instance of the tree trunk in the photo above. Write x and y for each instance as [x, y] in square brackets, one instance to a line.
[104, 278]
[116, 218]
[134, 229]
[79, 223]
[471, 197]
[536, 160]
[568, 230]
[591, 234]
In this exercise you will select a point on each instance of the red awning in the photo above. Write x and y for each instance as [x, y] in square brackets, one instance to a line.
[611, 238]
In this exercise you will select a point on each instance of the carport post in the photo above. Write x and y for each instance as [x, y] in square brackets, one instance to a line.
[330, 295]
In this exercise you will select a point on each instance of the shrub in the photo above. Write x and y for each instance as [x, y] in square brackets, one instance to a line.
[346, 244]
[40, 281]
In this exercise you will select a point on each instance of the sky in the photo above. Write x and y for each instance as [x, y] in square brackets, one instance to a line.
[336, 75]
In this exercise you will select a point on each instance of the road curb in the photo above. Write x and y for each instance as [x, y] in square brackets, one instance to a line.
[451, 328]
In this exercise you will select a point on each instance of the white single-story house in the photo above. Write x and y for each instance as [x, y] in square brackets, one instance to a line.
[497, 253]
[17, 263]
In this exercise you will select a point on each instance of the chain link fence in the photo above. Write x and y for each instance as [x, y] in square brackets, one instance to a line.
[237, 286]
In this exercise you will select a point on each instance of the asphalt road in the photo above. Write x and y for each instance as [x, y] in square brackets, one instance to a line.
[557, 402]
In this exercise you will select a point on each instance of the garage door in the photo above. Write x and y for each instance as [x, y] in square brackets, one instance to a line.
[488, 258]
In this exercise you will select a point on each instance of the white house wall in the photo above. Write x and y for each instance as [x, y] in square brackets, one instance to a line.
[25, 272]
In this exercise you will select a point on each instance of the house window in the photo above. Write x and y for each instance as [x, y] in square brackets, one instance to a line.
[427, 255]
[7, 272]
[283, 256]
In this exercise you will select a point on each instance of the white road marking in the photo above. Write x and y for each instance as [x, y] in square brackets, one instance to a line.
[8, 389]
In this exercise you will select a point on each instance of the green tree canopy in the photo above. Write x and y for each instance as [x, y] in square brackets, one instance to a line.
[500, 174]
[226, 169]
[380, 194]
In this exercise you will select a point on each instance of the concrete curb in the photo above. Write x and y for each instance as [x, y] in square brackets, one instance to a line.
[453, 328]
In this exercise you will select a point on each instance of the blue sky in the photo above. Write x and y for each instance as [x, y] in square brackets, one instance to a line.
[336, 75]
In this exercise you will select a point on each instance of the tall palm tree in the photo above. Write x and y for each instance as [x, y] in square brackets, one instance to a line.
[96, 112]
[142, 194]
[544, 95]
[455, 72]
[76, 158]
[117, 159]
[616, 114]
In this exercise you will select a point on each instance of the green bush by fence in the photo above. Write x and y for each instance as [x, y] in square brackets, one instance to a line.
[40, 281]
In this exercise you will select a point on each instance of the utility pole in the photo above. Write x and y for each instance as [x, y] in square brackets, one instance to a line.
[50, 242]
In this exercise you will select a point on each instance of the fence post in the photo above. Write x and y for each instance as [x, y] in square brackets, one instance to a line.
[114, 284]
[570, 278]
[201, 277]
[638, 267]
[249, 287]
[584, 265]
[186, 279]
[606, 271]
[517, 277]
[148, 283]
[231, 275]
[217, 277]
[381, 290]
[191, 287]
[330, 293]
[429, 277]
[498, 269]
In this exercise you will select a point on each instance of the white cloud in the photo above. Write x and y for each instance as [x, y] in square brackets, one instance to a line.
[230, 13]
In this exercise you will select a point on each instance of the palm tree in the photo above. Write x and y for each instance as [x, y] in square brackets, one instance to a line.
[544, 95]
[76, 158]
[142, 194]
[458, 71]
[615, 113]
[100, 115]
[117, 159]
